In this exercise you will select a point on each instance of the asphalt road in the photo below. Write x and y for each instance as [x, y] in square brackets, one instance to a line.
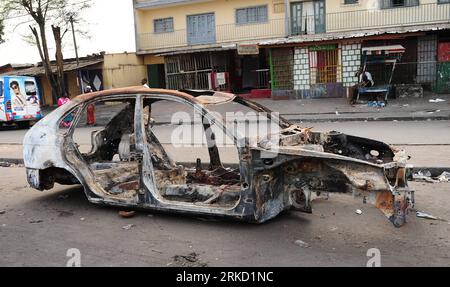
[428, 142]
[398, 133]
[38, 229]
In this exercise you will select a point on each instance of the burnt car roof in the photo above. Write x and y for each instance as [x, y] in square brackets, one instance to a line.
[197, 96]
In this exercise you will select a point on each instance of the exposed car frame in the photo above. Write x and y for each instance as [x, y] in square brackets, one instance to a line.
[266, 182]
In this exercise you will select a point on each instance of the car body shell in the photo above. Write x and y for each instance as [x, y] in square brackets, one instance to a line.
[269, 180]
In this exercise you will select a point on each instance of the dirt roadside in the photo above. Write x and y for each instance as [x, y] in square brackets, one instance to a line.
[38, 228]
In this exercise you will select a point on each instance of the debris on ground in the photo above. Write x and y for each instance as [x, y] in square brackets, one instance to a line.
[358, 211]
[334, 228]
[444, 177]
[127, 214]
[128, 227]
[423, 176]
[10, 164]
[2, 211]
[190, 260]
[35, 221]
[63, 196]
[377, 104]
[301, 243]
[426, 176]
[437, 100]
[420, 173]
[63, 213]
[82, 218]
[425, 215]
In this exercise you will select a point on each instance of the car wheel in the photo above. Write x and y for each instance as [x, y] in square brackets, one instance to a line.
[24, 125]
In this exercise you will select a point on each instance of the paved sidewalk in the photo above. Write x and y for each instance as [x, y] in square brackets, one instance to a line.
[331, 109]
[338, 109]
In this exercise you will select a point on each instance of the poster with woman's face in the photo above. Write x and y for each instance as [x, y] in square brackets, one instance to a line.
[24, 99]
[17, 97]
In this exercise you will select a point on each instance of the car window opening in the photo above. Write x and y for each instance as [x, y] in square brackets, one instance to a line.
[186, 154]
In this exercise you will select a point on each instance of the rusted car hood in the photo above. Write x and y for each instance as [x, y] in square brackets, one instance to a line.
[364, 167]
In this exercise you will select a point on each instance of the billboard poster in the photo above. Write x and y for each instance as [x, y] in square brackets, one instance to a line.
[24, 98]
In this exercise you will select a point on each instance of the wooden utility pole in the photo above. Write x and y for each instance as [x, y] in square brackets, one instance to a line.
[76, 55]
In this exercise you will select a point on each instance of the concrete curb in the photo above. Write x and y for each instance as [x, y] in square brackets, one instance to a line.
[5, 162]
[369, 119]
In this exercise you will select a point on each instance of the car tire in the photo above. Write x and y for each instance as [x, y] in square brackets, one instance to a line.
[24, 125]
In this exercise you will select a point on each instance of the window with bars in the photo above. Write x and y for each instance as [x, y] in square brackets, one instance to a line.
[351, 1]
[398, 3]
[282, 65]
[250, 15]
[324, 65]
[164, 25]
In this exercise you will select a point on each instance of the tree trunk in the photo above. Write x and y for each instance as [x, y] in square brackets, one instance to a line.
[59, 60]
[56, 93]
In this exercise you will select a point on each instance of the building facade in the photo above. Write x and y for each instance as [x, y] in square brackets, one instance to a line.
[293, 49]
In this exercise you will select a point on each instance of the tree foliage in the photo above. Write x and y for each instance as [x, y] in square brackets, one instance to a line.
[2, 28]
[44, 14]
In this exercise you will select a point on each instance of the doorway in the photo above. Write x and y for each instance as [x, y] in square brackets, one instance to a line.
[156, 76]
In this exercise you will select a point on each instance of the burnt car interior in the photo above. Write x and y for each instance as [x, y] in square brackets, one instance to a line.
[210, 184]
[115, 164]
[114, 161]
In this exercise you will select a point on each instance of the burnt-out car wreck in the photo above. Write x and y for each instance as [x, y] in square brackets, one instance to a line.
[127, 165]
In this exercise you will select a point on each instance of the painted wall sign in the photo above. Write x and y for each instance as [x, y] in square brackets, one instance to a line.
[322, 47]
[248, 49]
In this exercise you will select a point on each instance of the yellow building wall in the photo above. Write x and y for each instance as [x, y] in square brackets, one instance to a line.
[72, 88]
[72, 84]
[333, 6]
[366, 14]
[226, 28]
[153, 60]
[224, 12]
[123, 70]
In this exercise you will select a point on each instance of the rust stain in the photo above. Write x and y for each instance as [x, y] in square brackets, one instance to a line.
[385, 203]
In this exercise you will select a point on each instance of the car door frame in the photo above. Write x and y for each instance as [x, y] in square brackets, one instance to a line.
[154, 199]
[75, 160]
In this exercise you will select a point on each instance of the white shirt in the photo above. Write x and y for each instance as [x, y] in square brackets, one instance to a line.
[368, 75]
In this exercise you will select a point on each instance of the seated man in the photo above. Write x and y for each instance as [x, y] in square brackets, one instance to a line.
[364, 80]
